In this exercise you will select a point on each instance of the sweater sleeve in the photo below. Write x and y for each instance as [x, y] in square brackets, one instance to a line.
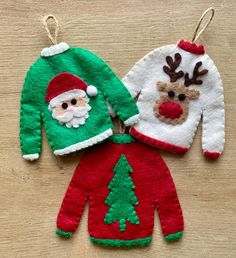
[30, 121]
[213, 127]
[112, 88]
[85, 180]
[73, 203]
[138, 76]
[167, 203]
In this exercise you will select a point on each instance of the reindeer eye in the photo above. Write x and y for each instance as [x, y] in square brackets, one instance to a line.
[171, 94]
[64, 105]
[73, 101]
[182, 97]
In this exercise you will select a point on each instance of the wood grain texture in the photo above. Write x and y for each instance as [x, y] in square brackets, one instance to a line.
[121, 32]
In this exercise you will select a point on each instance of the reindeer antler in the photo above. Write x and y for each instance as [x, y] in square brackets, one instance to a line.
[188, 81]
[174, 76]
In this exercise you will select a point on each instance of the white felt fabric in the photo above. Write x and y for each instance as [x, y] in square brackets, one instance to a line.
[143, 77]
[132, 120]
[31, 156]
[87, 143]
[55, 49]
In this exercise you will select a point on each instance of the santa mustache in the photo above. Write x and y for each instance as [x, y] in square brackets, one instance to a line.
[70, 113]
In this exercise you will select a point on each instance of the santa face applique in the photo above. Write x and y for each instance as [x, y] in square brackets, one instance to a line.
[68, 99]
[173, 105]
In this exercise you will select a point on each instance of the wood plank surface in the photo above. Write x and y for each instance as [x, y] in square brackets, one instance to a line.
[121, 32]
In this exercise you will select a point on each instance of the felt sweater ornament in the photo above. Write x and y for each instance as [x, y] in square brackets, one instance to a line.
[176, 85]
[67, 89]
[122, 189]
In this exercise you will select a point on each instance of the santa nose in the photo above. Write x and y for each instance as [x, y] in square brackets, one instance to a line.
[170, 110]
[70, 108]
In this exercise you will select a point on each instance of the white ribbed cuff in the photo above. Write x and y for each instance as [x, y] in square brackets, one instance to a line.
[132, 120]
[31, 156]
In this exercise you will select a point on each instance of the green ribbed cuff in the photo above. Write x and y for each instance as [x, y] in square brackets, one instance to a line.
[63, 233]
[175, 236]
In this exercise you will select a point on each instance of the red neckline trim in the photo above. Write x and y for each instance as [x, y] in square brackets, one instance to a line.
[156, 143]
[191, 47]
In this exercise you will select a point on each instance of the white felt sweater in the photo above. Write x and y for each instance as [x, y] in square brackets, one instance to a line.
[142, 80]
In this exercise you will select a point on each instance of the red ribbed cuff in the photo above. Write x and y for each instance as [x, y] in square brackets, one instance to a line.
[212, 155]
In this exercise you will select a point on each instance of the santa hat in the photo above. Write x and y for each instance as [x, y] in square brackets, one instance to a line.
[67, 82]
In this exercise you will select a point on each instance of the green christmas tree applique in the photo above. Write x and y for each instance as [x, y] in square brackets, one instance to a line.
[121, 198]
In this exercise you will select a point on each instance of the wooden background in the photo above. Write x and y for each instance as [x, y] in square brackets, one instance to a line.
[121, 32]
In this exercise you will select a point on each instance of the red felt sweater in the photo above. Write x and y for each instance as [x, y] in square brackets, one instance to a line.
[124, 181]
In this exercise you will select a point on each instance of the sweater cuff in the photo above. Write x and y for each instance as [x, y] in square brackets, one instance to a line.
[174, 236]
[132, 120]
[31, 156]
[63, 233]
[212, 155]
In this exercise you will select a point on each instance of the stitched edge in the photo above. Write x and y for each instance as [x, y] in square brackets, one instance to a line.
[84, 144]
[122, 138]
[157, 143]
[63, 233]
[122, 243]
[174, 236]
[212, 155]
[31, 156]
[132, 120]
[119, 184]
[55, 49]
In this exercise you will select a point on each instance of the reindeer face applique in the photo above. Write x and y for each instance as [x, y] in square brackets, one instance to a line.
[173, 105]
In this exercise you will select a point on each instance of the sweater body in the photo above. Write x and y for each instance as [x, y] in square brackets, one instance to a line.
[97, 127]
[143, 78]
[153, 188]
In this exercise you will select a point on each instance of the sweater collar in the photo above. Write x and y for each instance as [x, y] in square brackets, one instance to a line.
[121, 138]
[191, 47]
[55, 49]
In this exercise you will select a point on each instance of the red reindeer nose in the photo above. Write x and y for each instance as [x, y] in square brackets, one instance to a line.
[170, 110]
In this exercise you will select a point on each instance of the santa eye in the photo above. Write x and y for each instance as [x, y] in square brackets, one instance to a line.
[171, 93]
[182, 97]
[73, 101]
[64, 105]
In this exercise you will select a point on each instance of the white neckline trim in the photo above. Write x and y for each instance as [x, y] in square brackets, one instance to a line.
[84, 144]
[55, 49]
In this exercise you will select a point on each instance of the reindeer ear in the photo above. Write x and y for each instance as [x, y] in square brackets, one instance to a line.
[161, 85]
[193, 94]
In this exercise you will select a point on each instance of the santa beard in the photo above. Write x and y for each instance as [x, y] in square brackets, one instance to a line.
[73, 118]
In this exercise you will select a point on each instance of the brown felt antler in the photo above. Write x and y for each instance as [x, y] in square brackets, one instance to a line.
[174, 76]
[188, 81]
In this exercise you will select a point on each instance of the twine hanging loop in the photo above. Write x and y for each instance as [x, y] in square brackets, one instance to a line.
[52, 36]
[197, 34]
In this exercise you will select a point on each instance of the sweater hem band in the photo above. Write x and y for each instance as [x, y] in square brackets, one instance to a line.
[157, 143]
[121, 242]
[84, 144]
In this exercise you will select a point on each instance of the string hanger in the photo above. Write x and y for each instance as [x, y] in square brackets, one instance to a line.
[52, 36]
[197, 34]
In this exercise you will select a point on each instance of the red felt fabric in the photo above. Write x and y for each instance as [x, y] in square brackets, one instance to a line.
[154, 187]
[170, 109]
[191, 47]
[158, 144]
[64, 82]
[212, 155]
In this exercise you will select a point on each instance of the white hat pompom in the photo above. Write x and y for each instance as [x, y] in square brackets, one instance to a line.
[92, 91]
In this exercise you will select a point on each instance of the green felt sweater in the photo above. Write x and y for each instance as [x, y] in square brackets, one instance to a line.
[61, 81]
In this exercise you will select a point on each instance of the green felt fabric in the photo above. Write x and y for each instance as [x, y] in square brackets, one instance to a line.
[121, 198]
[122, 243]
[175, 236]
[63, 233]
[34, 108]
[122, 138]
